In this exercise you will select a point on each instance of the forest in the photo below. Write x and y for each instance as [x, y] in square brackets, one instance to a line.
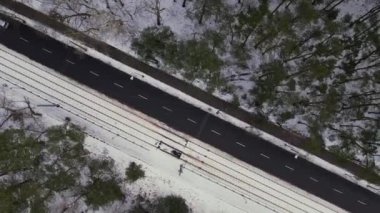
[47, 168]
[310, 66]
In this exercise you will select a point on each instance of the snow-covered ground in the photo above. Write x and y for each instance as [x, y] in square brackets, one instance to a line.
[201, 105]
[211, 181]
[117, 23]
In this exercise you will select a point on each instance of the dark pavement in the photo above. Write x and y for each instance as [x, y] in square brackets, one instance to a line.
[188, 119]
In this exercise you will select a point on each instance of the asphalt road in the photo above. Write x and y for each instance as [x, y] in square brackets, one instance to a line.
[191, 120]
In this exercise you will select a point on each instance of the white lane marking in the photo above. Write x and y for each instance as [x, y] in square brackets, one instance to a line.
[94, 73]
[191, 120]
[313, 179]
[215, 132]
[361, 202]
[240, 144]
[24, 39]
[46, 50]
[336, 190]
[118, 85]
[143, 97]
[167, 109]
[68, 61]
[265, 156]
[288, 167]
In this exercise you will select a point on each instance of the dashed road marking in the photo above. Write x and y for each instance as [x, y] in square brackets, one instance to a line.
[143, 97]
[313, 179]
[68, 61]
[240, 144]
[191, 120]
[46, 50]
[24, 39]
[361, 202]
[167, 109]
[118, 85]
[288, 167]
[265, 156]
[336, 190]
[215, 132]
[94, 73]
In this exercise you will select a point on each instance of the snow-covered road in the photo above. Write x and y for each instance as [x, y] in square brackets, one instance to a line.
[237, 184]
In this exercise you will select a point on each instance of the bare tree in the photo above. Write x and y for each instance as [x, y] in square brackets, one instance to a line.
[332, 5]
[202, 12]
[278, 6]
[154, 7]
[16, 113]
[88, 17]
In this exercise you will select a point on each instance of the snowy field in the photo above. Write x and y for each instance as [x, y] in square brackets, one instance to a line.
[211, 181]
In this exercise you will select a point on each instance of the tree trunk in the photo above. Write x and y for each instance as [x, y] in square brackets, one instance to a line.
[184, 3]
[351, 126]
[278, 6]
[107, 4]
[72, 203]
[328, 5]
[158, 12]
[364, 94]
[232, 33]
[365, 56]
[366, 31]
[349, 80]
[358, 106]
[86, 15]
[296, 73]
[334, 6]
[365, 119]
[308, 55]
[246, 38]
[6, 119]
[368, 67]
[200, 20]
[327, 38]
[272, 48]
[366, 16]
[290, 2]
[262, 41]
[121, 3]
[301, 43]
[158, 17]
[22, 183]
[265, 74]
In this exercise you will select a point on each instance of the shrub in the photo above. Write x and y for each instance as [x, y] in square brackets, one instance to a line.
[156, 43]
[101, 192]
[171, 204]
[134, 172]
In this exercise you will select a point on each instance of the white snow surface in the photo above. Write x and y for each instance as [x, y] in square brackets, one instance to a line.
[161, 178]
[135, 15]
[343, 173]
